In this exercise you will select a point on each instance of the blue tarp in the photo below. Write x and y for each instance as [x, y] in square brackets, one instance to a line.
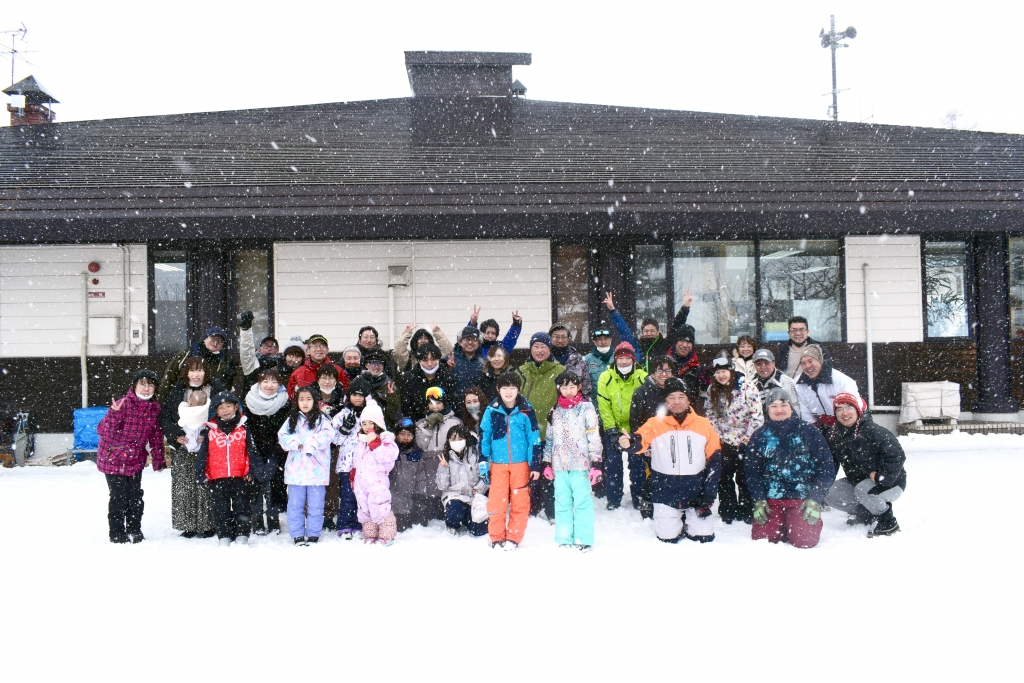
[86, 420]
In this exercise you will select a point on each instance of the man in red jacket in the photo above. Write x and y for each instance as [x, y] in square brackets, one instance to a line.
[316, 353]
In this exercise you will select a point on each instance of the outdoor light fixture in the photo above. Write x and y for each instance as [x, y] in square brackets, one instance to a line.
[832, 40]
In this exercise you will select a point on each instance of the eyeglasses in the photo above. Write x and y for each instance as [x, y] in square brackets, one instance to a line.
[663, 371]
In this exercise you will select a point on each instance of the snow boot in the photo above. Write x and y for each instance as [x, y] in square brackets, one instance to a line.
[121, 537]
[242, 540]
[510, 546]
[224, 542]
[329, 524]
[646, 509]
[886, 525]
[860, 516]
[136, 536]
[206, 534]
[273, 524]
[188, 534]
[345, 534]
[299, 540]
[566, 545]
[584, 548]
[257, 526]
[497, 545]
[312, 540]
[727, 513]
[612, 506]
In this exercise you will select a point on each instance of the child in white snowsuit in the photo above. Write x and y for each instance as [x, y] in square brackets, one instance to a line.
[572, 449]
[372, 462]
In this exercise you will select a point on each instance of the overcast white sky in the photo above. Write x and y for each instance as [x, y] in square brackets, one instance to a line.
[911, 63]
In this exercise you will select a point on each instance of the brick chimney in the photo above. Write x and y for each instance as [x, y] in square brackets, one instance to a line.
[30, 103]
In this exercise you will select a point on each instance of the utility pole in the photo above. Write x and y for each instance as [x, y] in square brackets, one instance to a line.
[832, 40]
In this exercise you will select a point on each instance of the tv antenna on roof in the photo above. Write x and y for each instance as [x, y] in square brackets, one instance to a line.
[16, 34]
[832, 40]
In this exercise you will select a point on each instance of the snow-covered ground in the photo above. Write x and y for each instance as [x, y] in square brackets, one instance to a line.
[941, 600]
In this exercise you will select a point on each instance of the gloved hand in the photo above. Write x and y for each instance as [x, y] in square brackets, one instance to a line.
[348, 423]
[352, 477]
[245, 321]
[204, 482]
[484, 468]
[549, 473]
[435, 419]
[702, 509]
[811, 511]
[594, 476]
[761, 512]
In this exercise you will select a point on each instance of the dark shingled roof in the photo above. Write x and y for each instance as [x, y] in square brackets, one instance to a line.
[373, 157]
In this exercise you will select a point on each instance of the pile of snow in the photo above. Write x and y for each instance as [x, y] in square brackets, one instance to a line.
[939, 600]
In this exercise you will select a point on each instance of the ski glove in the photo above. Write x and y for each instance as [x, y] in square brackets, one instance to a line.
[484, 468]
[549, 473]
[595, 476]
[811, 511]
[348, 423]
[246, 320]
[352, 477]
[761, 512]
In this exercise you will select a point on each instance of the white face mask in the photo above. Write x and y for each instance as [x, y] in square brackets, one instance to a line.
[430, 371]
[457, 446]
[144, 398]
[624, 371]
[603, 349]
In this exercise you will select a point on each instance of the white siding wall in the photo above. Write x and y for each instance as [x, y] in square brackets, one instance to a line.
[334, 288]
[895, 288]
[41, 296]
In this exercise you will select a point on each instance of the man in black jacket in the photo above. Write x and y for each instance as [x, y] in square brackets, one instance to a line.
[653, 343]
[787, 358]
[872, 460]
[428, 372]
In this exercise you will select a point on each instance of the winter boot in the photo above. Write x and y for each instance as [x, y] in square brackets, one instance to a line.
[345, 534]
[273, 524]
[584, 548]
[886, 525]
[257, 526]
[119, 537]
[242, 540]
[136, 536]
[452, 530]
[497, 545]
[646, 509]
[329, 524]
[312, 540]
[188, 534]
[727, 513]
[612, 506]
[299, 540]
[860, 516]
[224, 542]
[510, 546]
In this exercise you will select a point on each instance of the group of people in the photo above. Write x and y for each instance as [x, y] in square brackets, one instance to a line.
[386, 440]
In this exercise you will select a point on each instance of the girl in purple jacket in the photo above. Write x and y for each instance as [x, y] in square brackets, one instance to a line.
[129, 426]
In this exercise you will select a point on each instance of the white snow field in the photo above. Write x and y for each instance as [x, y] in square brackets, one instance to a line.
[942, 600]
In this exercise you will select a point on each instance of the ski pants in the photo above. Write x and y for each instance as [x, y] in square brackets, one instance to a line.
[306, 510]
[846, 497]
[457, 515]
[124, 511]
[347, 505]
[731, 504]
[574, 508]
[614, 474]
[786, 523]
[508, 502]
[229, 498]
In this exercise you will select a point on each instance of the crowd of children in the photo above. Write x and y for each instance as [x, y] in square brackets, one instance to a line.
[365, 449]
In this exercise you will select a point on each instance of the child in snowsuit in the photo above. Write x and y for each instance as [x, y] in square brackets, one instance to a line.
[346, 425]
[408, 479]
[224, 464]
[510, 453]
[686, 462]
[571, 449]
[431, 435]
[458, 478]
[373, 460]
[129, 426]
[307, 436]
[192, 417]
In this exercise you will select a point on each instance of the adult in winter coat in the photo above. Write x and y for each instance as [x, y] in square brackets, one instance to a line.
[191, 510]
[467, 361]
[372, 462]
[769, 377]
[267, 408]
[294, 357]
[306, 436]
[212, 351]
[368, 341]
[569, 358]
[686, 460]
[352, 362]
[743, 357]
[788, 356]
[458, 478]
[538, 388]
[600, 357]
[414, 337]
[510, 453]
[473, 403]
[431, 435]
[489, 331]
[430, 371]
[873, 462]
[255, 358]
[615, 391]
[653, 343]
[572, 455]
[317, 350]
[789, 470]
[649, 401]
[688, 366]
[382, 388]
[733, 406]
[131, 424]
[346, 426]
[228, 462]
[496, 361]
[818, 384]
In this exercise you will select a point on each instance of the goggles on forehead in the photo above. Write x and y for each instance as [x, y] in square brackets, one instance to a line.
[601, 333]
[435, 393]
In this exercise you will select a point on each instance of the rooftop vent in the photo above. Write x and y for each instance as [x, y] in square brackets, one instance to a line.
[470, 74]
[30, 103]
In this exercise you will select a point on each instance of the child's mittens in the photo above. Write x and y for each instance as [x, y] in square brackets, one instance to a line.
[484, 468]
[594, 476]
[549, 473]
[352, 476]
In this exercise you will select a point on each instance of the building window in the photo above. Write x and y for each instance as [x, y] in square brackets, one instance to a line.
[801, 278]
[571, 274]
[650, 271]
[170, 302]
[720, 276]
[252, 289]
[945, 289]
[1017, 289]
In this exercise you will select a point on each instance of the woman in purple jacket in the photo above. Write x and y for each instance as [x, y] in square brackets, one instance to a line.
[131, 423]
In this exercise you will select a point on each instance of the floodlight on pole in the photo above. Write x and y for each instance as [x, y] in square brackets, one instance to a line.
[833, 40]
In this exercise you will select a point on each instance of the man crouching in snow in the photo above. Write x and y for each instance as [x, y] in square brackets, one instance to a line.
[686, 463]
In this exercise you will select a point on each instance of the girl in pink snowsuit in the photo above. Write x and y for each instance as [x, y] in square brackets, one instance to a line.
[372, 461]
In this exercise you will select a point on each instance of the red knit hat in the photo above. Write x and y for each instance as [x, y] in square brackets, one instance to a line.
[625, 349]
[849, 399]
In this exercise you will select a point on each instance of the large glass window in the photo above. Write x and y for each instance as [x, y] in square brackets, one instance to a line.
[170, 308]
[571, 288]
[720, 276]
[945, 289]
[252, 289]
[1017, 289]
[801, 277]
[651, 284]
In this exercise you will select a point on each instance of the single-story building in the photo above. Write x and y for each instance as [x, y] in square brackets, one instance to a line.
[326, 217]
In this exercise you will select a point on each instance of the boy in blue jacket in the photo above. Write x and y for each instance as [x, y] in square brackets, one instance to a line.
[510, 453]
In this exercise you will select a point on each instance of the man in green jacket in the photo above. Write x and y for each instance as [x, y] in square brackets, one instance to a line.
[212, 350]
[539, 389]
[614, 398]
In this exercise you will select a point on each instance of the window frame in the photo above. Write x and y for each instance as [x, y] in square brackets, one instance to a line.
[593, 295]
[152, 249]
[969, 288]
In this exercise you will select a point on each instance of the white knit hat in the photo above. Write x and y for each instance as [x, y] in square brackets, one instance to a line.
[373, 413]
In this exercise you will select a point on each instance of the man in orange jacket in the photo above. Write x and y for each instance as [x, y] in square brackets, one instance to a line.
[686, 462]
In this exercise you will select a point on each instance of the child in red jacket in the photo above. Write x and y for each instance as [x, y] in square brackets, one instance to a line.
[225, 464]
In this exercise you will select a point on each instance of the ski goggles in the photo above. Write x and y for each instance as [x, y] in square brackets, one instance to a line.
[435, 394]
